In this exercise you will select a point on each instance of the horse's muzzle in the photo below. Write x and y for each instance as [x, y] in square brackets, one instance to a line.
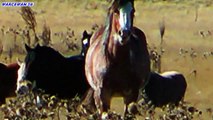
[22, 90]
[125, 34]
[24, 87]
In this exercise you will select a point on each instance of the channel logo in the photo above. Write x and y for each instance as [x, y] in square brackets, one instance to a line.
[17, 4]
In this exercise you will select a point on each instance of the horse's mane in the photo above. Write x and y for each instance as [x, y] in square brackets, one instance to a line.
[108, 27]
[50, 52]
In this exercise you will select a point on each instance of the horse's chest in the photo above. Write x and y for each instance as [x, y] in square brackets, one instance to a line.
[119, 74]
[116, 66]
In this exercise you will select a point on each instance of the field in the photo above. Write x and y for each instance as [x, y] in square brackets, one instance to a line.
[187, 43]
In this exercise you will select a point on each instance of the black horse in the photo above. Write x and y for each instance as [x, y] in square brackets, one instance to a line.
[52, 72]
[165, 88]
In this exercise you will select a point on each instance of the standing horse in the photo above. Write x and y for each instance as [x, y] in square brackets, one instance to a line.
[8, 77]
[117, 61]
[52, 72]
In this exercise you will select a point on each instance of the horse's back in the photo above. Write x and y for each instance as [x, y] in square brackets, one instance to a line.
[13, 66]
[73, 76]
[168, 87]
[175, 78]
[8, 76]
[9, 71]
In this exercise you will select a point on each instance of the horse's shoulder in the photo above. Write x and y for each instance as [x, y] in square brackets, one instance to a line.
[97, 35]
[139, 34]
[138, 31]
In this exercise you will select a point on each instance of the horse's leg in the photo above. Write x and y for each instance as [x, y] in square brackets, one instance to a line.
[98, 101]
[106, 99]
[102, 99]
[129, 99]
[88, 102]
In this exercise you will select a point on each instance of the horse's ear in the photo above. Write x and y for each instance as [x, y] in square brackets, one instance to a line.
[28, 48]
[87, 36]
[85, 33]
[18, 61]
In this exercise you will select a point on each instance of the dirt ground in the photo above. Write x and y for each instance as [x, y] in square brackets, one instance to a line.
[184, 28]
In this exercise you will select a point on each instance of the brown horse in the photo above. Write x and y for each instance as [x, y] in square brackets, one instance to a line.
[117, 61]
[8, 76]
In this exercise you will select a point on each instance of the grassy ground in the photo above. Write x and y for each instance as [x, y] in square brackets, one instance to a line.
[182, 31]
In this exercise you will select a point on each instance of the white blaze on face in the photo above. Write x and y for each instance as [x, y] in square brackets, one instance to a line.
[125, 16]
[85, 45]
[85, 42]
[21, 75]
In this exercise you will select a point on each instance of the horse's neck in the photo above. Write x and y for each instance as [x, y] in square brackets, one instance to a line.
[130, 49]
[97, 35]
[138, 34]
[111, 45]
[55, 62]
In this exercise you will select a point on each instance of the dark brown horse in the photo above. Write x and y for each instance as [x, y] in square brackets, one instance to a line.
[117, 61]
[8, 76]
[53, 72]
[165, 88]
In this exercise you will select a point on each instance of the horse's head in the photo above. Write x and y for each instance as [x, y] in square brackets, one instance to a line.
[85, 41]
[37, 61]
[23, 85]
[123, 14]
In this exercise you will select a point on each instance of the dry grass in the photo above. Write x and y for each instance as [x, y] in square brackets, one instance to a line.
[181, 32]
